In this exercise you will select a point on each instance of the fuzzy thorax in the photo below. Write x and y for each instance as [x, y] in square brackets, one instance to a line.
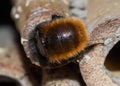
[61, 39]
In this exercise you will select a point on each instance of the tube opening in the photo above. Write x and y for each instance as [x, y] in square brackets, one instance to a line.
[7, 81]
[112, 62]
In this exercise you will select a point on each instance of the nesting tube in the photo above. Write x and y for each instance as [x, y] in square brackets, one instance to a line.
[49, 35]
[40, 19]
[103, 24]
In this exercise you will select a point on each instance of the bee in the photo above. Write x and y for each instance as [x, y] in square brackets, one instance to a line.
[61, 40]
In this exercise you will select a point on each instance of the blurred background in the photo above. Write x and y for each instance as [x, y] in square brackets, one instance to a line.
[8, 37]
[6, 23]
[5, 7]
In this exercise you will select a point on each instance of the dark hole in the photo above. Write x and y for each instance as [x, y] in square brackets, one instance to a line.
[54, 17]
[5, 7]
[7, 81]
[7, 84]
[112, 62]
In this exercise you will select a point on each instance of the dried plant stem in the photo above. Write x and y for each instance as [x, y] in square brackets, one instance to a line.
[12, 69]
[104, 32]
[27, 15]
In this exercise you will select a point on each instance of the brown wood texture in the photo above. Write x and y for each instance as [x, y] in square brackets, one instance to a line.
[27, 14]
[103, 24]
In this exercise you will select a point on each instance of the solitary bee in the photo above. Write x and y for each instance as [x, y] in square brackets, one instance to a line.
[61, 40]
